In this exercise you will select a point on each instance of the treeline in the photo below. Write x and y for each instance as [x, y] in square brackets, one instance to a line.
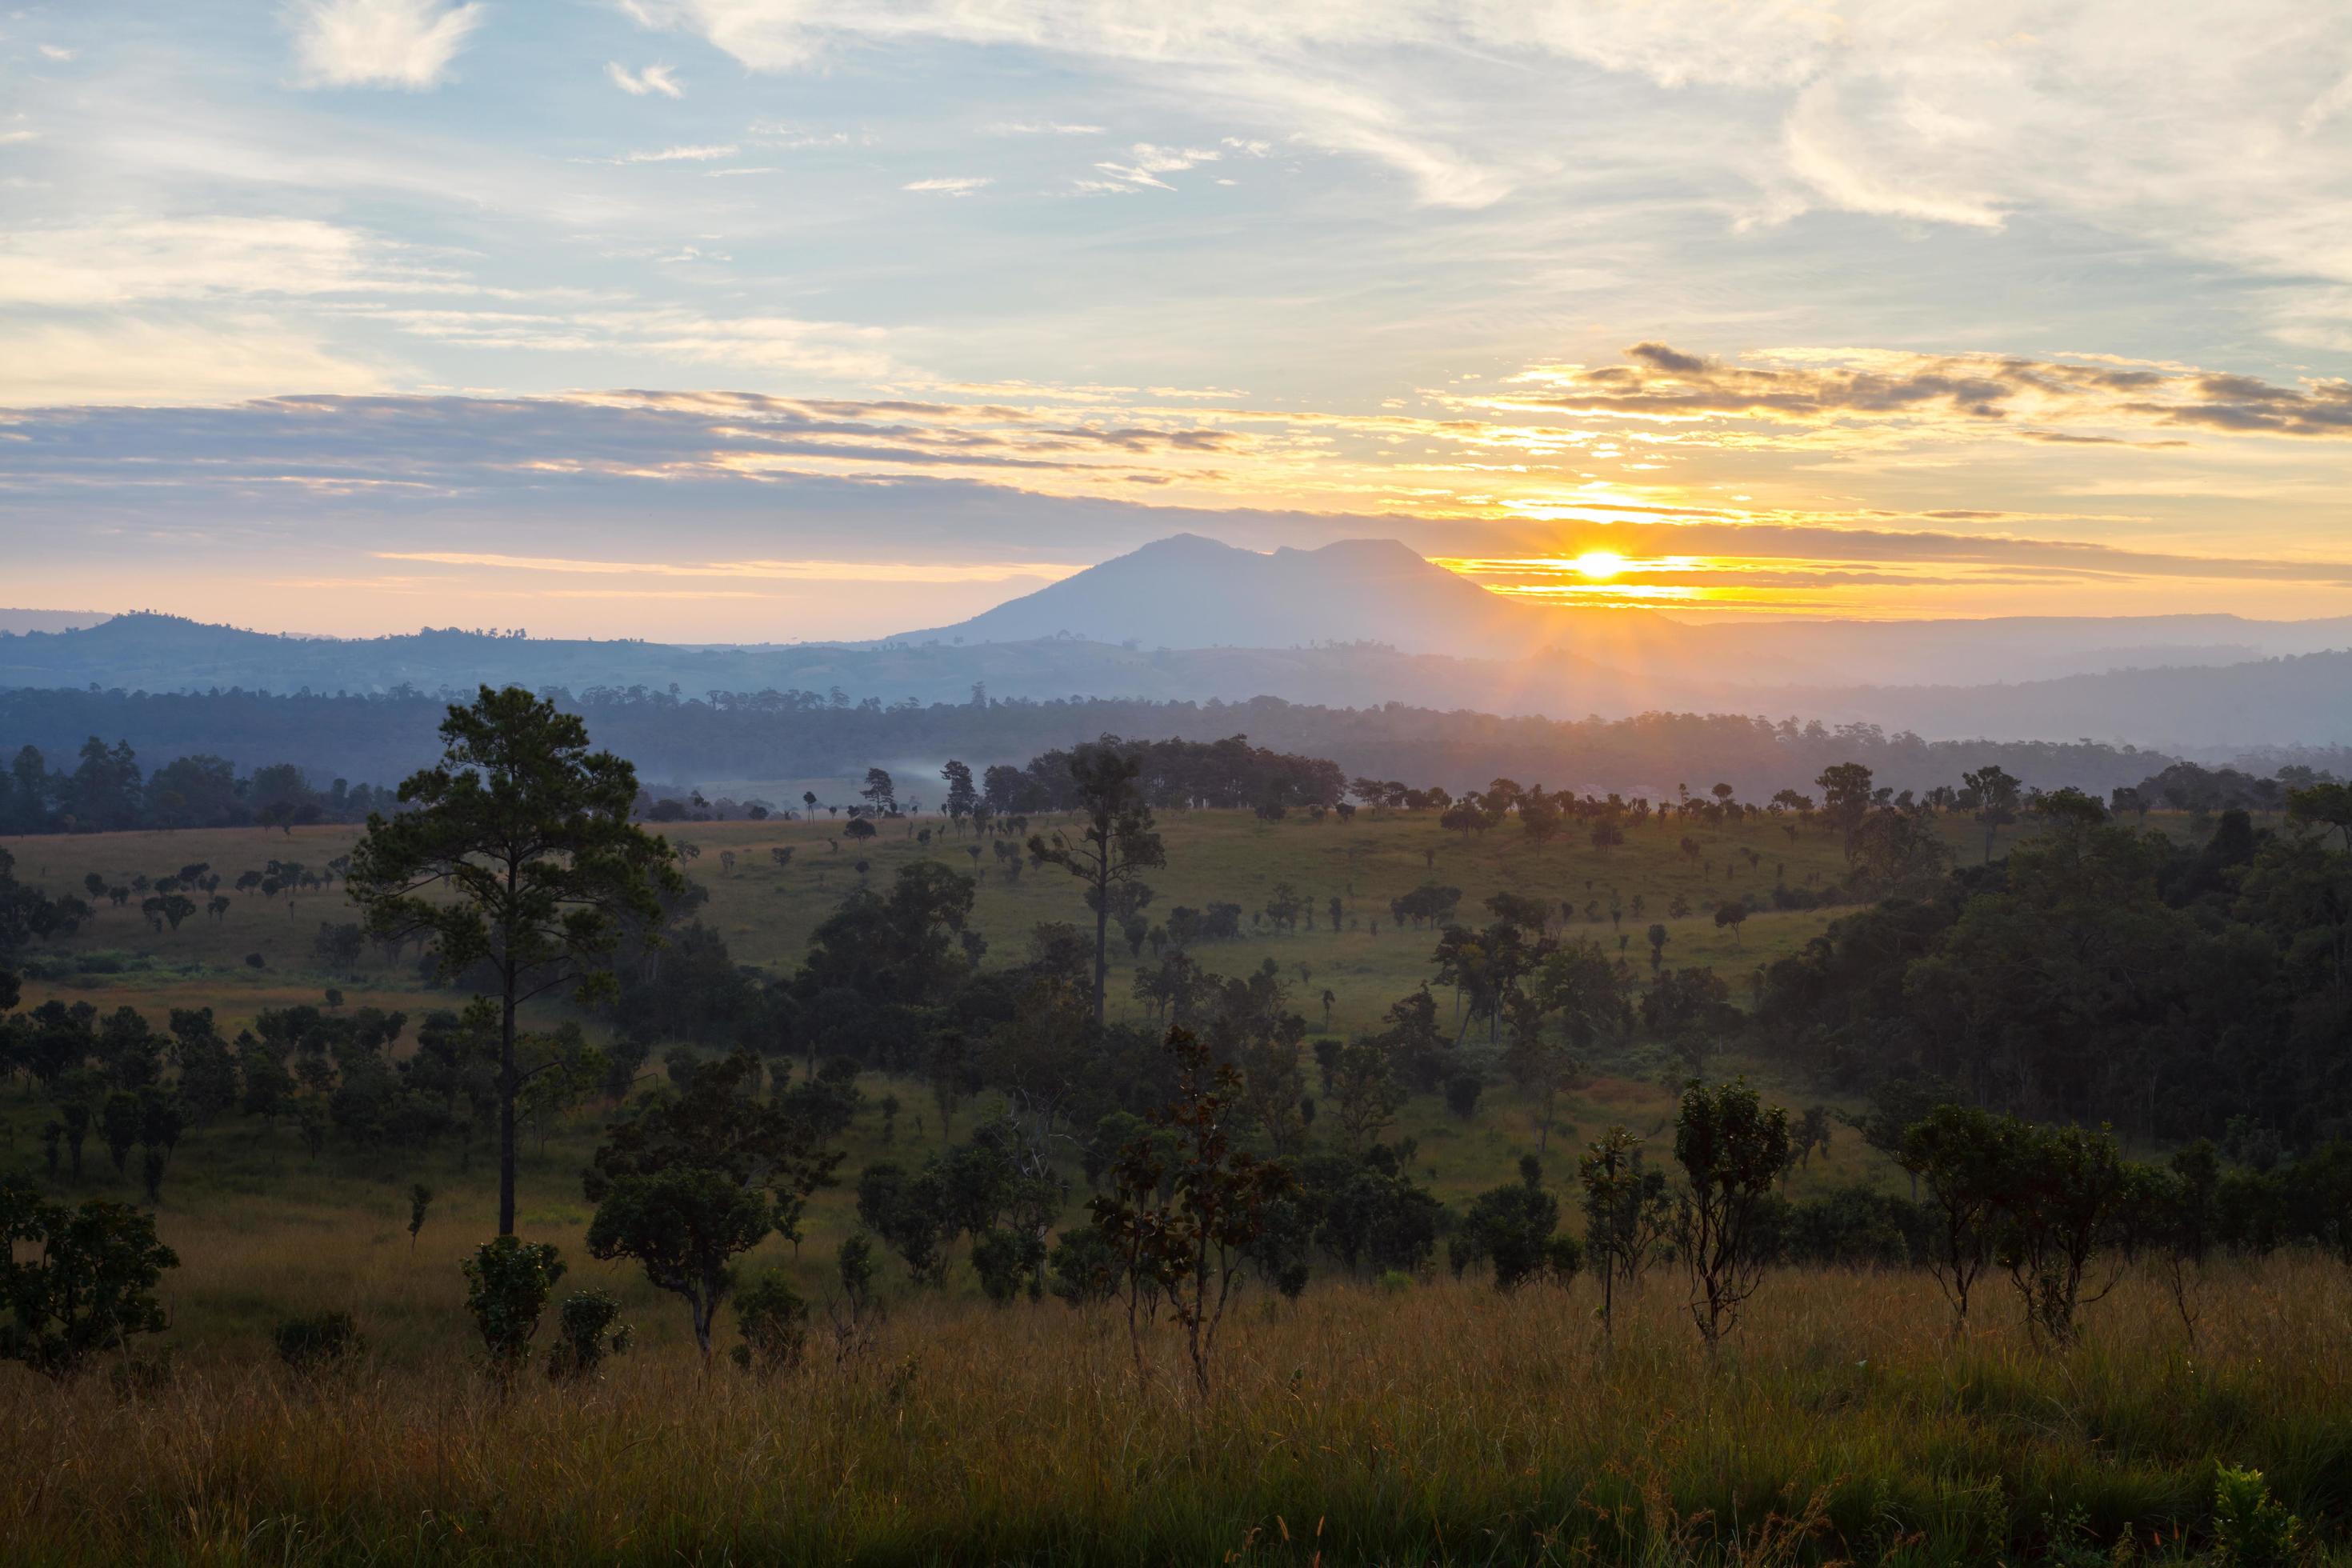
[797, 734]
[2102, 974]
[106, 791]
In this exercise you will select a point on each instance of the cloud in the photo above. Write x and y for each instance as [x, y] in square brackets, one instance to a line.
[2214, 128]
[1148, 162]
[123, 361]
[685, 154]
[652, 80]
[1045, 128]
[1825, 388]
[786, 571]
[379, 43]
[124, 258]
[59, 53]
[960, 185]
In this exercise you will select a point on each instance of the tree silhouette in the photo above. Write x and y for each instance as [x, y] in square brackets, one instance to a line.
[1117, 844]
[516, 853]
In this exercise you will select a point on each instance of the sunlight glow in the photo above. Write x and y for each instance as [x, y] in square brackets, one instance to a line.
[1600, 564]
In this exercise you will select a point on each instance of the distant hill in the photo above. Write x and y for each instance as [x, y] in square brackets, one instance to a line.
[49, 620]
[2304, 700]
[1188, 592]
[162, 653]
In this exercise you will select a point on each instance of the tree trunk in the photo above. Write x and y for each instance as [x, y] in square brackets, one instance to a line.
[1102, 928]
[508, 1089]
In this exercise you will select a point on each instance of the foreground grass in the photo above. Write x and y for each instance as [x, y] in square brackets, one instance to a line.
[1434, 1423]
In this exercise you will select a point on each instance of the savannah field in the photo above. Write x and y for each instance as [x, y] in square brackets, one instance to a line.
[1391, 1421]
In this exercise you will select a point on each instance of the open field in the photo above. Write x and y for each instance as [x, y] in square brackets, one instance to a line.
[766, 912]
[1398, 1421]
[1434, 1423]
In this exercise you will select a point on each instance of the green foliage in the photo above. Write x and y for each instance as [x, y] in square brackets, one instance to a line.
[585, 1336]
[2251, 1527]
[75, 1282]
[1181, 1220]
[1084, 1267]
[508, 1282]
[515, 852]
[1511, 1227]
[773, 1321]
[1117, 844]
[683, 1182]
[1732, 1148]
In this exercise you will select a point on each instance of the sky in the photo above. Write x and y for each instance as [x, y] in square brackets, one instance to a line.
[775, 321]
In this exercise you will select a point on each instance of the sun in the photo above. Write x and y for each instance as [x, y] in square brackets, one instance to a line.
[1598, 564]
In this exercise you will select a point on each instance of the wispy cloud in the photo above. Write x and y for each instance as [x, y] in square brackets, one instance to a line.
[956, 185]
[1043, 128]
[684, 154]
[638, 84]
[789, 570]
[379, 43]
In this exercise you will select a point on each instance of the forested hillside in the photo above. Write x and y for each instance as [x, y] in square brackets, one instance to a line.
[808, 734]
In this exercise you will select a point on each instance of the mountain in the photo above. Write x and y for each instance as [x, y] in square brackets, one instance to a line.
[1188, 592]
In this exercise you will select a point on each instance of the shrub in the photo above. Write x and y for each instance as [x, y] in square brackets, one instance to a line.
[507, 1285]
[318, 1341]
[1462, 1092]
[2251, 1527]
[88, 1286]
[774, 1322]
[1084, 1267]
[584, 1335]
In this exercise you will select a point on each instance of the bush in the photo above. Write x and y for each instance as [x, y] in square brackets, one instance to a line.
[774, 1322]
[1462, 1092]
[88, 1286]
[507, 1285]
[584, 1335]
[1086, 1267]
[2251, 1527]
[1002, 1259]
[319, 1342]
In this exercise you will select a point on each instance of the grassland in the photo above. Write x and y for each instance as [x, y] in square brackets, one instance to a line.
[1433, 1421]
[767, 911]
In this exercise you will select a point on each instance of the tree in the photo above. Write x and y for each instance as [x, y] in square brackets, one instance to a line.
[880, 794]
[2067, 1189]
[963, 800]
[1733, 1147]
[1732, 912]
[1623, 1215]
[1996, 797]
[1510, 1226]
[1845, 799]
[686, 1183]
[506, 1285]
[1364, 1093]
[1658, 937]
[517, 853]
[1117, 844]
[1963, 1157]
[88, 1285]
[1183, 1210]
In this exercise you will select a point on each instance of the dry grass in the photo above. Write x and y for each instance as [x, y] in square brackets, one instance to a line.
[1436, 1423]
